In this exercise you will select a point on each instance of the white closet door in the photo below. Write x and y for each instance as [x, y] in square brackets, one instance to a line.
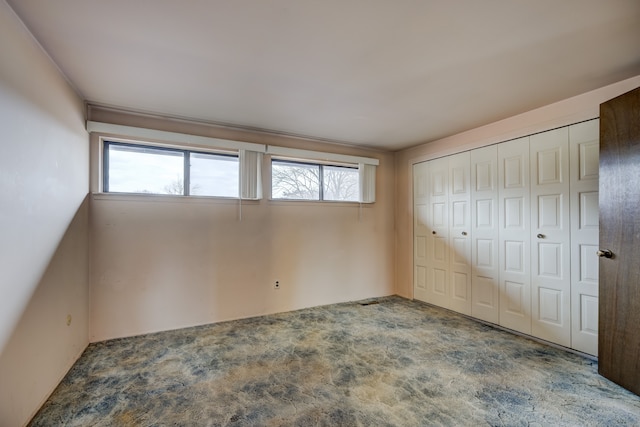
[584, 149]
[460, 232]
[421, 229]
[550, 234]
[485, 286]
[438, 241]
[514, 235]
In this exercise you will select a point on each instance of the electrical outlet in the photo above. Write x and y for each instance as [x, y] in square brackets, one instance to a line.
[276, 285]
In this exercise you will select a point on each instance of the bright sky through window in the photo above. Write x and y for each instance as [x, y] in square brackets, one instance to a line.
[141, 169]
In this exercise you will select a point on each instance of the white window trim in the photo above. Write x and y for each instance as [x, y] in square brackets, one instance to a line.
[330, 158]
[138, 135]
[182, 139]
[188, 139]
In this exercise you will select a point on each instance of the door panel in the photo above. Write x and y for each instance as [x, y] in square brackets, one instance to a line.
[514, 235]
[485, 283]
[438, 279]
[550, 234]
[584, 149]
[460, 233]
[516, 298]
[619, 276]
[420, 229]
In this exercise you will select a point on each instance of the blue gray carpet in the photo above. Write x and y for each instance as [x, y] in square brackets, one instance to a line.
[394, 363]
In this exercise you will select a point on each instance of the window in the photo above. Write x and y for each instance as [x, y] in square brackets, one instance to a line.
[225, 168]
[133, 168]
[313, 181]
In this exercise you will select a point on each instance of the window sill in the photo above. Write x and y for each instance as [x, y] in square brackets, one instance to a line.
[325, 203]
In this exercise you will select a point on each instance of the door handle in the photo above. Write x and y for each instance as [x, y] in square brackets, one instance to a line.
[464, 233]
[604, 253]
[540, 236]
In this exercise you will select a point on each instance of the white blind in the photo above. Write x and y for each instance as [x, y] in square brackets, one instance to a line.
[367, 183]
[250, 174]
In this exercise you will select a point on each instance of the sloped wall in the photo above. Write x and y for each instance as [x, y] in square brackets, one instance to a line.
[43, 249]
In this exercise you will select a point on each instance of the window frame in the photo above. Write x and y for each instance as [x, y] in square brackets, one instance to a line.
[186, 166]
[320, 165]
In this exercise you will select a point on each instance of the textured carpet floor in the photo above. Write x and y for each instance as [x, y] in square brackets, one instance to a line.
[396, 363]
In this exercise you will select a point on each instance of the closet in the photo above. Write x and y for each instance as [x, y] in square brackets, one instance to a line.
[508, 234]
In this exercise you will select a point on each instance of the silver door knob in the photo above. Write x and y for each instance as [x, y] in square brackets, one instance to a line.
[464, 233]
[540, 236]
[605, 253]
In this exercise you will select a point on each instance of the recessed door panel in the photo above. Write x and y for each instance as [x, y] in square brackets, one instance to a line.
[485, 176]
[514, 170]
[421, 277]
[459, 251]
[550, 306]
[589, 213]
[486, 292]
[421, 185]
[514, 213]
[550, 211]
[422, 215]
[514, 256]
[589, 314]
[440, 249]
[460, 291]
[550, 260]
[588, 265]
[438, 183]
[485, 253]
[484, 214]
[439, 216]
[515, 301]
[589, 159]
[439, 281]
[459, 180]
[460, 216]
[421, 246]
[549, 166]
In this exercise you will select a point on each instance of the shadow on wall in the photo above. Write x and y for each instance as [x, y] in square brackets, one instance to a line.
[53, 329]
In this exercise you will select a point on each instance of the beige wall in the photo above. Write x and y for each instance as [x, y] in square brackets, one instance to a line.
[566, 112]
[164, 262]
[43, 262]
[53, 329]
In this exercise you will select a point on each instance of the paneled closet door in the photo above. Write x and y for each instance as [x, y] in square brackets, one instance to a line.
[514, 235]
[584, 147]
[438, 240]
[460, 232]
[550, 235]
[485, 286]
[420, 229]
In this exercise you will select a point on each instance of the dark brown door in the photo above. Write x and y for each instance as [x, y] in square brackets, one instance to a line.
[619, 294]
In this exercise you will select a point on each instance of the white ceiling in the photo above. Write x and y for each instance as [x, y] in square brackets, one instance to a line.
[380, 73]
